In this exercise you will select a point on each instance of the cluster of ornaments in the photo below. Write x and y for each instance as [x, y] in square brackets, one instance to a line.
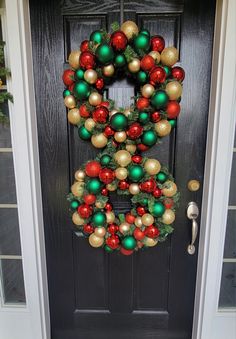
[122, 135]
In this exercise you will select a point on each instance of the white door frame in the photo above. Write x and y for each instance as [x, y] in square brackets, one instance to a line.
[33, 320]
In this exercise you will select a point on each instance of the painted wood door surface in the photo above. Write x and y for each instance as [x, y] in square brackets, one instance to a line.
[94, 294]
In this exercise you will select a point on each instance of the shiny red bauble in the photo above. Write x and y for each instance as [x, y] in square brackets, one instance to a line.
[83, 111]
[105, 104]
[71, 87]
[99, 83]
[168, 203]
[88, 229]
[129, 218]
[172, 109]
[108, 207]
[155, 116]
[148, 186]
[152, 231]
[123, 185]
[104, 191]
[89, 199]
[84, 46]
[101, 114]
[106, 175]
[178, 73]
[93, 168]
[142, 147]
[142, 103]
[113, 228]
[157, 75]
[113, 241]
[157, 43]
[108, 131]
[140, 210]
[85, 211]
[118, 41]
[68, 77]
[135, 130]
[147, 63]
[137, 159]
[126, 252]
[87, 60]
[138, 234]
[157, 192]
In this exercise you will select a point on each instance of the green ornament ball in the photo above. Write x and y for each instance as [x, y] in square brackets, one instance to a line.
[105, 160]
[129, 243]
[118, 122]
[149, 138]
[108, 249]
[66, 93]
[96, 36]
[144, 202]
[74, 204]
[172, 123]
[98, 219]
[142, 77]
[81, 90]
[161, 177]
[146, 32]
[136, 173]
[158, 209]
[143, 117]
[167, 70]
[84, 134]
[94, 186]
[79, 74]
[120, 61]
[104, 53]
[142, 42]
[159, 99]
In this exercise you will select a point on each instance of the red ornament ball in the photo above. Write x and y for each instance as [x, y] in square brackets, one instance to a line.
[140, 210]
[142, 147]
[155, 116]
[88, 229]
[137, 159]
[113, 241]
[99, 83]
[92, 168]
[135, 130]
[157, 43]
[84, 46]
[157, 75]
[148, 186]
[100, 114]
[126, 252]
[109, 131]
[172, 109]
[113, 228]
[71, 87]
[87, 60]
[106, 175]
[157, 192]
[83, 111]
[85, 211]
[104, 191]
[139, 234]
[123, 185]
[129, 218]
[168, 203]
[108, 207]
[147, 63]
[152, 231]
[142, 103]
[89, 199]
[105, 104]
[68, 77]
[178, 73]
[118, 41]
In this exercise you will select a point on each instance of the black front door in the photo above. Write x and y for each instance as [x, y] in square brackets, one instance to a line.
[109, 296]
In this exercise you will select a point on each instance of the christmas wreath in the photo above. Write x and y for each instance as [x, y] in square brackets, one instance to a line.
[122, 135]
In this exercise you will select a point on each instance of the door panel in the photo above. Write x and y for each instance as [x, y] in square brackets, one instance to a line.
[94, 294]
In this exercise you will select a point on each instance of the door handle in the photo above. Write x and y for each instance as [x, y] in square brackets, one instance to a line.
[192, 214]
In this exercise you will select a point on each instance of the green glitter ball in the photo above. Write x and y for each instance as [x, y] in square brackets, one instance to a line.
[144, 202]
[108, 249]
[84, 134]
[81, 90]
[104, 53]
[136, 173]
[118, 122]
[94, 186]
[74, 204]
[142, 77]
[167, 70]
[172, 123]
[79, 74]
[143, 118]
[96, 36]
[161, 177]
[120, 61]
[99, 219]
[145, 31]
[105, 160]
[142, 42]
[66, 93]
[159, 99]
[129, 243]
[158, 209]
[149, 138]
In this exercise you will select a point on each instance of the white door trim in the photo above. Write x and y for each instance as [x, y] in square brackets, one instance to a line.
[218, 162]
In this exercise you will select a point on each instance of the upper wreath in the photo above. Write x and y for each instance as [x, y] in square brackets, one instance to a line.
[141, 58]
